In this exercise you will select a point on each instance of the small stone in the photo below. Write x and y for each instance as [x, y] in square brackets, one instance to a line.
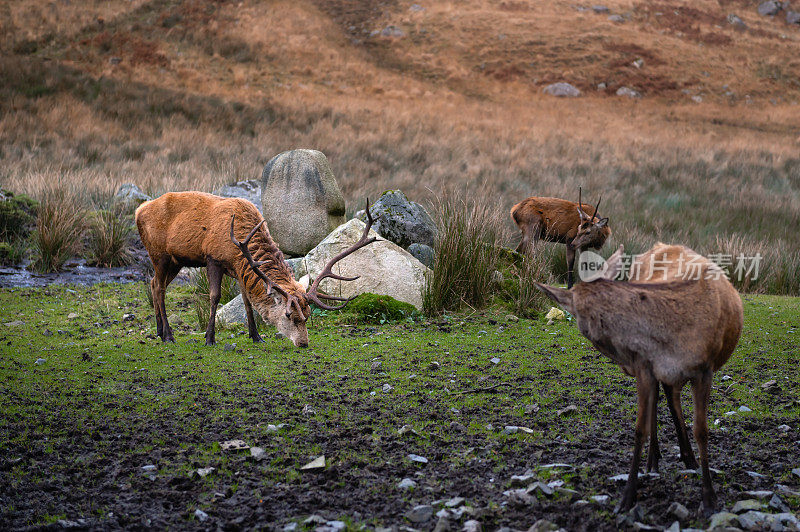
[567, 410]
[494, 360]
[417, 458]
[420, 513]
[678, 510]
[543, 525]
[793, 17]
[744, 409]
[777, 504]
[128, 317]
[200, 515]
[387, 388]
[455, 501]
[600, 499]
[796, 471]
[562, 90]
[316, 463]
[736, 22]
[697, 99]
[602, 86]
[72, 315]
[472, 526]
[522, 480]
[616, 18]
[40, 361]
[314, 520]
[628, 92]
[512, 318]
[674, 527]
[334, 526]
[416, 8]
[149, 467]
[541, 486]
[376, 366]
[769, 8]
[204, 471]
[16, 323]
[234, 445]
[458, 427]
[753, 474]
[442, 525]
[721, 519]
[510, 429]
[570, 494]
[258, 453]
[769, 384]
[754, 520]
[434, 365]
[600, 9]
[759, 494]
[229, 347]
[784, 428]
[289, 527]
[406, 484]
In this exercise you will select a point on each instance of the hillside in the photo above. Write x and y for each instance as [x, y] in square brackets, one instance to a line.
[421, 96]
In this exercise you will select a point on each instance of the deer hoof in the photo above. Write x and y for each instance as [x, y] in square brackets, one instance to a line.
[257, 339]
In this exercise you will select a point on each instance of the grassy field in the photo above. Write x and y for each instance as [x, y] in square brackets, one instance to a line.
[107, 399]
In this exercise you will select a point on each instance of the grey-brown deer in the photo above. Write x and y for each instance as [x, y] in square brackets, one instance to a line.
[562, 221]
[197, 229]
[675, 326]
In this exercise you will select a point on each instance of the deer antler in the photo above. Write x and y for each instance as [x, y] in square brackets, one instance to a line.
[597, 207]
[291, 300]
[313, 293]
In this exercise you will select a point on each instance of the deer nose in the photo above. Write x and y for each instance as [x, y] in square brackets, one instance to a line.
[302, 344]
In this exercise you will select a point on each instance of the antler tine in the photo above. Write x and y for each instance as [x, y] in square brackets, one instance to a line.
[253, 264]
[580, 203]
[597, 207]
[365, 240]
[315, 298]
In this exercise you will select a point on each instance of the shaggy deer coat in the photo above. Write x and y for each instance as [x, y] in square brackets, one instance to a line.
[672, 332]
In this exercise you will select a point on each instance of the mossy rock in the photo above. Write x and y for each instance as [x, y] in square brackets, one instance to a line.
[376, 308]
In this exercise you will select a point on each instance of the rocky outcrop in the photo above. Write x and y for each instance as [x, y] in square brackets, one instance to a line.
[301, 200]
[402, 221]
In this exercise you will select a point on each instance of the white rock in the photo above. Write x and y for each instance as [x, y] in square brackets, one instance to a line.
[316, 463]
[406, 484]
[417, 458]
[562, 90]
[200, 515]
[384, 267]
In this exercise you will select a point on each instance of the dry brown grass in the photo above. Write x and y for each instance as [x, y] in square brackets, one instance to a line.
[205, 93]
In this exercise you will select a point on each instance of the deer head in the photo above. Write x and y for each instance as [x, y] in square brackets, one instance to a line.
[288, 306]
[592, 231]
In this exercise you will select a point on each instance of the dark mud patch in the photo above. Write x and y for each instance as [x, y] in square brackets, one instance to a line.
[75, 272]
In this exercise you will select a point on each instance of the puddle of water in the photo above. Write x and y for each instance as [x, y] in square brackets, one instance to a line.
[75, 272]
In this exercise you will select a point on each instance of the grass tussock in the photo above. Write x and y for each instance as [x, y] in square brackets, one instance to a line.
[109, 235]
[470, 232]
[59, 226]
[200, 295]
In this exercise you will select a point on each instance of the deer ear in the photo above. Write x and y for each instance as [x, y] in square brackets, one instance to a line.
[559, 295]
[305, 281]
[602, 223]
[614, 264]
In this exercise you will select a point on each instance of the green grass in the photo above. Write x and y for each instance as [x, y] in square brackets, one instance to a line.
[104, 376]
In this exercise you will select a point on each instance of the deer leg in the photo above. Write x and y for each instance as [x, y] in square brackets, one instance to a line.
[653, 452]
[163, 273]
[644, 391]
[251, 322]
[215, 273]
[701, 389]
[570, 264]
[673, 395]
[156, 308]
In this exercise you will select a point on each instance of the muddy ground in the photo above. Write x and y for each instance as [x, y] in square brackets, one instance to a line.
[79, 428]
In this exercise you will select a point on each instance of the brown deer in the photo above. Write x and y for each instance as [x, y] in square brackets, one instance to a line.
[196, 229]
[562, 221]
[674, 330]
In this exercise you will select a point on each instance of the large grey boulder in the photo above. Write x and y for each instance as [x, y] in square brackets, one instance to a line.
[383, 266]
[402, 221]
[793, 17]
[249, 190]
[301, 200]
[423, 253]
[130, 196]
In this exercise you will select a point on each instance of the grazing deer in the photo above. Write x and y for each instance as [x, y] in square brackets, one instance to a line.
[672, 331]
[562, 221]
[196, 229]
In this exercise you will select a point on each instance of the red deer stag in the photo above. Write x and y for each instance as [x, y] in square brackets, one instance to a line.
[562, 221]
[196, 229]
[677, 327]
